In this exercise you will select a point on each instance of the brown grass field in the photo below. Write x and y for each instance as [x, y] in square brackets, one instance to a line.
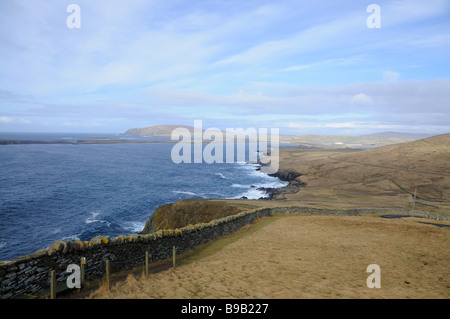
[388, 175]
[303, 256]
[327, 256]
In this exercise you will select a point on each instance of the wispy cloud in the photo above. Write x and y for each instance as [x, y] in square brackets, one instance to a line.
[329, 62]
[146, 62]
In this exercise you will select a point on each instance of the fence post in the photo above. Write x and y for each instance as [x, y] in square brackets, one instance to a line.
[52, 284]
[108, 279]
[146, 264]
[82, 263]
[173, 256]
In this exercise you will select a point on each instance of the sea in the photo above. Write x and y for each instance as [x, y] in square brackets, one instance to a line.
[65, 191]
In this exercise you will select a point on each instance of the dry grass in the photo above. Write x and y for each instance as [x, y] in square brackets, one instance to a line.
[385, 176]
[327, 256]
[308, 257]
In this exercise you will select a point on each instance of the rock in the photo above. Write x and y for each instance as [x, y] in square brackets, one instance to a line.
[75, 245]
[100, 240]
[286, 175]
[57, 246]
[65, 247]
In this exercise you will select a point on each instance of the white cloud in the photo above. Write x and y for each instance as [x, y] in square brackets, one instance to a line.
[339, 125]
[391, 76]
[435, 40]
[361, 98]
[8, 119]
[297, 68]
[226, 60]
[328, 62]
[424, 96]
[394, 13]
[307, 40]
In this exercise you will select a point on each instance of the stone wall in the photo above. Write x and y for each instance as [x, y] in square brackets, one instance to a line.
[31, 274]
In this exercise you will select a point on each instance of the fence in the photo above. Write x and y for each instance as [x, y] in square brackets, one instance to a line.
[52, 279]
[29, 275]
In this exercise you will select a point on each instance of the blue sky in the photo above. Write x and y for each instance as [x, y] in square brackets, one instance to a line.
[306, 67]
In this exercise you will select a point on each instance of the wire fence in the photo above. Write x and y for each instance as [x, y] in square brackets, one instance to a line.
[52, 279]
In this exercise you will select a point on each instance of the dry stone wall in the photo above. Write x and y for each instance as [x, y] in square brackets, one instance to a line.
[31, 274]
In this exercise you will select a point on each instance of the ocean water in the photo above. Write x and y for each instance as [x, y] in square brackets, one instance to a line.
[51, 192]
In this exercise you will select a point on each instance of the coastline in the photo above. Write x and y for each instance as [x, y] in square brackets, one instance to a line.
[285, 175]
[111, 141]
[258, 186]
[333, 192]
[282, 201]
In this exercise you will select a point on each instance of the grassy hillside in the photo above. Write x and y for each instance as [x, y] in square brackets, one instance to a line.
[158, 130]
[306, 257]
[185, 212]
[388, 174]
[344, 141]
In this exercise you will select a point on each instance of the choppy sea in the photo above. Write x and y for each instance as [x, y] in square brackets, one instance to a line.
[51, 192]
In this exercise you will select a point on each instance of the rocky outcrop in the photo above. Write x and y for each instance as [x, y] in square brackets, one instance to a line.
[187, 212]
[286, 175]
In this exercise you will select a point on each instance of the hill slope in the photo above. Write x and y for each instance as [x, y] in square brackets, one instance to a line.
[385, 174]
[398, 135]
[349, 141]
[158, 130]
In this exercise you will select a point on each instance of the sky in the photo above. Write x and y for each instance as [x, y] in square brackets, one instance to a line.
[305, 67]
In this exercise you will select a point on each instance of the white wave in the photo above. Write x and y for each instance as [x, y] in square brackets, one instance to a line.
[248, 166]
[220, 175]
[55, 231]
[93, 219]
[183, 192]
[240, 186]
[189, 193]
[71, 238]
[252, 193]
[134, 227]
[272, 184]
[2, 244]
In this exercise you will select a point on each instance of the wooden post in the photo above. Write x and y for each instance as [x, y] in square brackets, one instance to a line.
[415, 192]
[146, 264]
[82, 263]
[173, 256]
[108, 279]
[52, 284]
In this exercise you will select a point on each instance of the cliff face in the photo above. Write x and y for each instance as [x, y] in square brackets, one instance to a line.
[158, 130]
[185, 212]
